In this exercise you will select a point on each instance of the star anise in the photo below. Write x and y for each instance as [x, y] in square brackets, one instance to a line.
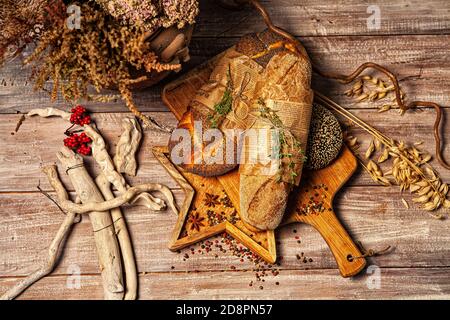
[196, 221]
[211, 200]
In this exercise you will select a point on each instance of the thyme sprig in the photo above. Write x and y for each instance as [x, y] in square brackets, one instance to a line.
[289, 146]
[224, 106]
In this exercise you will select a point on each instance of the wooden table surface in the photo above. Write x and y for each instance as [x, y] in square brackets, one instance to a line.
[413, 40]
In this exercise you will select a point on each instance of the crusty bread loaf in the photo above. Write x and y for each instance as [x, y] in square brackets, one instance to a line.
[248, 45]
[263, 198]
[263, 202]
[202, 168]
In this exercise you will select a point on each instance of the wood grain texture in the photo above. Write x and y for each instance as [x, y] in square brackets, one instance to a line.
[429, 283]
[324, 17]
[24, 153]
[420, 61]
[321, 187]
[29, 220]
[414, 41]
[177, 96]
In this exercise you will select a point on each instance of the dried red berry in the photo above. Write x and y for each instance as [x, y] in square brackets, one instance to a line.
[83, 138]
[78, 110]
[79, 116]
[79, 143]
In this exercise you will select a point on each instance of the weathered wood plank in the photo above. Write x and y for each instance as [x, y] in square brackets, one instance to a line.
[39, 139]
[421, 61]
[431, 283]
[338, 39]
[23, 154]
[372, 215]
[342, 17]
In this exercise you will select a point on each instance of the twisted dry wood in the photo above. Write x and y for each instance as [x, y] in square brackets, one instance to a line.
[55, 246]
[125, 157]
[102, 157]
[129, 195]
[268, 21]
[104, 160]
[108, 250]
[49, 112]
[413, 104]
[123, 236]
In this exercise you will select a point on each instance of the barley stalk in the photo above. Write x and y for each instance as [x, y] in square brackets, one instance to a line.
[406, 170]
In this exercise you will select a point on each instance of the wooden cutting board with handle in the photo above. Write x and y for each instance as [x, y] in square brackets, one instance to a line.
[310, 203]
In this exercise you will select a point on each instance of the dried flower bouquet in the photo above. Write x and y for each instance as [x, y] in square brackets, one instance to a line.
[152, 14]
[107, 51]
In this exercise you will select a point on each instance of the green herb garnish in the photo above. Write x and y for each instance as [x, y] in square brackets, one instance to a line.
[224, 106]
[289, 146]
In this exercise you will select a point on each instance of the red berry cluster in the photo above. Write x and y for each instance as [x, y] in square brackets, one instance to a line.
[79, 116]
[79, 143]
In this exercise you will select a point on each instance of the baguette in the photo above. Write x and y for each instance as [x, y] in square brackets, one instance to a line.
[261, 67]
[286, 86]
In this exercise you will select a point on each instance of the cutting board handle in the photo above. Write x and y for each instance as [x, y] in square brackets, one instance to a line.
[340, 243]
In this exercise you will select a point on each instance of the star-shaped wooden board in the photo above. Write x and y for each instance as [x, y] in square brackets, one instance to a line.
[208, 210]
[212, 204]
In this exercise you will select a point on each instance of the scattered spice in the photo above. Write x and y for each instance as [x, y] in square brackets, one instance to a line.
[316, 203]
[225, 243]
[226, 201]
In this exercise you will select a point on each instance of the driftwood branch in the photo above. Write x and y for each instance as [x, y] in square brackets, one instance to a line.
[129, 195]
[55, 247]
[106, 217]
[49, 112]
[125, 157]
[102, 157]
[120, 227]
[108, 250]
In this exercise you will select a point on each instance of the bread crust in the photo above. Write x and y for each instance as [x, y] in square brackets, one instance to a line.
[263, 200]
